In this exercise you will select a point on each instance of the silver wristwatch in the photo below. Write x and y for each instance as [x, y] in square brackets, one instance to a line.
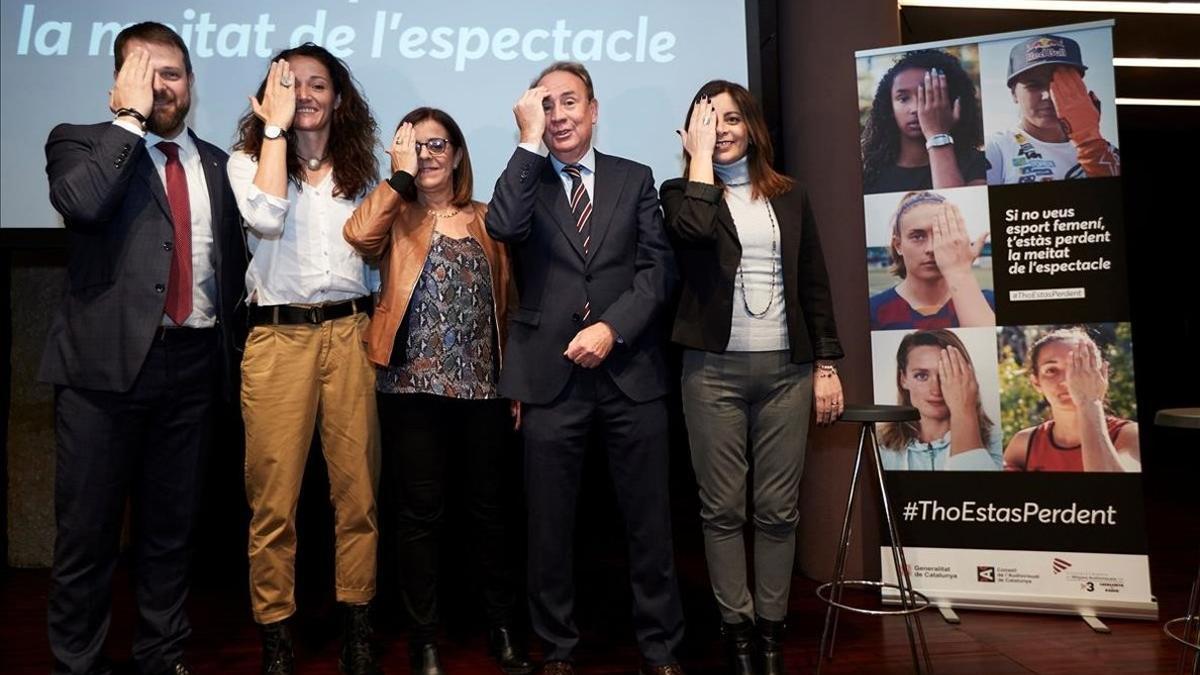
[272, 132]
[938, 140]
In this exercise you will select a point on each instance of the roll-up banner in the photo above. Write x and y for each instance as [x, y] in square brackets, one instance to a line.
[999, 310]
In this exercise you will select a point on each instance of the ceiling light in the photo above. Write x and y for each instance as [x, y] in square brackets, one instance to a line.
[1100, 6]
[1159, 101]
[1156, 63]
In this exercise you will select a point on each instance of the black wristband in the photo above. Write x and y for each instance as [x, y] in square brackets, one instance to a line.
[134, 114]
[401, 181]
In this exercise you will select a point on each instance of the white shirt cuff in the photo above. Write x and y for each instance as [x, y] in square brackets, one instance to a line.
[536, 148]
[130, 127]
[257, 197]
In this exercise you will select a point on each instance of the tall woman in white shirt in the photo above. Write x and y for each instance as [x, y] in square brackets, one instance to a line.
[755, 317]
[303, 160]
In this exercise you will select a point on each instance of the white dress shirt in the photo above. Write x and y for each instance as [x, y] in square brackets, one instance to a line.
[299, 255]
[587, 170]
[204, 280]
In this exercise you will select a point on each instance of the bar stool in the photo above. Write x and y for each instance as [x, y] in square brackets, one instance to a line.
[1188, 625]
[911, 602]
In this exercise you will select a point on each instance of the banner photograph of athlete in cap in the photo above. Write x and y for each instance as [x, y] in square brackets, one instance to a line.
[999, 310]
[1048, 115]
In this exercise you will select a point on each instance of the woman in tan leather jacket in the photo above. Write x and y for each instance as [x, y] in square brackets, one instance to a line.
[437, 338]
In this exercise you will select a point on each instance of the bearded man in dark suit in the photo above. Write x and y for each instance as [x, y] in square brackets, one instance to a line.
[141, 346]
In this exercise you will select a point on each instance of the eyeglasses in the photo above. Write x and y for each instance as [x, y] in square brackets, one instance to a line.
[436, 146]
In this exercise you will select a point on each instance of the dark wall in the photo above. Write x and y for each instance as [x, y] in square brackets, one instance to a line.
[819, 100]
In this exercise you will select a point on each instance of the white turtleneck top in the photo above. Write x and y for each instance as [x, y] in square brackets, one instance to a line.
[760, 276]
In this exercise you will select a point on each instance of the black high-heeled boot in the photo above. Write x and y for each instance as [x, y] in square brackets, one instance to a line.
[739, 646]
[358, 656]
[278, 658]
[507, 651]
[770, 647]
[423, 659]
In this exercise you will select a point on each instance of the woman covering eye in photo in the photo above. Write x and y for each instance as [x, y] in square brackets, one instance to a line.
[935, 375]
[925, 128]
[1068, 370]
[933, 255]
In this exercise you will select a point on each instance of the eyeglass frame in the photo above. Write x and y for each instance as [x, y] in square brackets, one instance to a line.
[445, 141]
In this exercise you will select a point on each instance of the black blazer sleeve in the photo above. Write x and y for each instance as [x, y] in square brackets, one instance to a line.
[816, 298]
[89, 173]
[510, 214]
[690, 211]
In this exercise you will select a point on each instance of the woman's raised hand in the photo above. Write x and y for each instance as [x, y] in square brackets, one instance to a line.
[953, 249]
[278, 105]
[1087, 374]
[700, 137]
[403, 150]
[960, 389]
[936, 112]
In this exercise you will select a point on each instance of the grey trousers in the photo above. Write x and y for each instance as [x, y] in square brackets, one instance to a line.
[748, 412]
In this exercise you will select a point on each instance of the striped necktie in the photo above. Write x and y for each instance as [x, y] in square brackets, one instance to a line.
[581, 208]
[581, 205]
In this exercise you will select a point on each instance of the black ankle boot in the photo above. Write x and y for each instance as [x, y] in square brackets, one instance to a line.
[739, 646]
[423, 659]
[278, 658]
[357, 656]
[509, 654]
[770, 647]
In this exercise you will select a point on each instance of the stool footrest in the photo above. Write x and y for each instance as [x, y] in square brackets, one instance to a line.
[916, 598]
[1188, 621]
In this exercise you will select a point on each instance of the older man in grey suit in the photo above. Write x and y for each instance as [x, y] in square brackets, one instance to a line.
[593, 269]
[143, 338]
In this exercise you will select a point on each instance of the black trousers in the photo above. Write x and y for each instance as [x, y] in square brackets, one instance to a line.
[145, 445]
[635, 439]
[435, 447]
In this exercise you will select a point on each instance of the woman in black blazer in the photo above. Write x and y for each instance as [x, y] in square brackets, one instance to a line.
[756, 320]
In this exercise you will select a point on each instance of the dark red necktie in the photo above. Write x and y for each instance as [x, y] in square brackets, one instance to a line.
[179, 284]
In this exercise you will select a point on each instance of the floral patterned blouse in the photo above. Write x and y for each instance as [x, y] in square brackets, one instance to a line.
[450, 348]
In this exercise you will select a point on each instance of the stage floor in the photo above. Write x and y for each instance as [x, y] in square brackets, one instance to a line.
[225, 640]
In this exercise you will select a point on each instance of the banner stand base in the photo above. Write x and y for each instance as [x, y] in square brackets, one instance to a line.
[948, 614]
[1035, 604]
[1094, 623]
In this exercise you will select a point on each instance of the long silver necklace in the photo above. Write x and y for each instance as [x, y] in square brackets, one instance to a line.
[774, 256]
